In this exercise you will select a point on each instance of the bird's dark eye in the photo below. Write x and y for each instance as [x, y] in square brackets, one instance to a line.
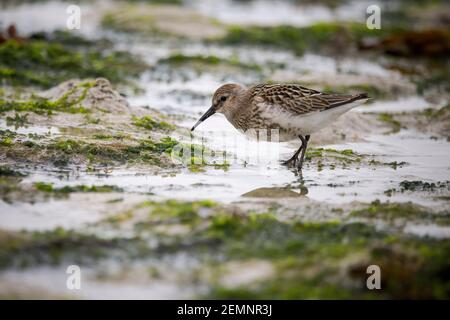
[223, 98]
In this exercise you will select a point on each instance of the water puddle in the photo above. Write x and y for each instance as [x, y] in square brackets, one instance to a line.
[425, 160]
[29, 128]
[125, 283]
[46, 215]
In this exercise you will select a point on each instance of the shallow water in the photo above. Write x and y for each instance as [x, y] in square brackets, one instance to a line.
[30, 128]
[51, 282]
[426, 160]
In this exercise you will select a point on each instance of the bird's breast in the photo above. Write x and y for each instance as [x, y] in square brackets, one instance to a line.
[263, 125]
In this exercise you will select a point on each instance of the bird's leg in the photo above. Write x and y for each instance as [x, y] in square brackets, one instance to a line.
[304, 146]
[294, 158]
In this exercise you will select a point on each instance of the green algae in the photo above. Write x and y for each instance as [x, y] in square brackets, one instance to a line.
[6, 171]
[202, 61]
[444, 198]
[310, 259]
[148, 122]
[401, 211]
[47, 106]
[25, 249]
[331, 157]
[18, 120]
[292, 248]
[49, 188]
[63, 152]
[174, 211]
[437, 78]
[196, 157]
[413, 270]
[45, 64]
[116, 136]
[395, 164]
[436, 114]
[7, 137]
[70, 39]
[321, 152]
[9, 184]
[418, 185]
[313, 268]
[146, 151]
[389, 119]
[321, 36]
[40, 106]
[12, 190]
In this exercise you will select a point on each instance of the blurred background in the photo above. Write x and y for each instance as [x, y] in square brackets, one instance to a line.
[95, 95]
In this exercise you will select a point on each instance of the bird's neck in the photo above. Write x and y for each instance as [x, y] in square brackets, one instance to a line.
[237, 110]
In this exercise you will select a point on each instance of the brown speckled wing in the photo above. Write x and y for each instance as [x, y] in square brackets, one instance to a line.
[299, 100]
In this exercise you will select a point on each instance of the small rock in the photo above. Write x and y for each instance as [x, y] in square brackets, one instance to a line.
[93, 94]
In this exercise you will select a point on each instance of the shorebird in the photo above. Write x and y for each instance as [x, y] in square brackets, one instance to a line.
[294, 110]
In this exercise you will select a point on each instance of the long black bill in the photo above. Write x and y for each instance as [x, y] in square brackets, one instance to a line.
[207, 114]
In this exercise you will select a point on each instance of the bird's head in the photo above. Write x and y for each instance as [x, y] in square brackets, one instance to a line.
[223, 101]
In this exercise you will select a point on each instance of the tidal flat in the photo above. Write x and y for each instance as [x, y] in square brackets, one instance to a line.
[98, 167]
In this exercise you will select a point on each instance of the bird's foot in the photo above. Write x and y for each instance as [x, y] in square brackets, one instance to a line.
[300, 162]
[290, 162]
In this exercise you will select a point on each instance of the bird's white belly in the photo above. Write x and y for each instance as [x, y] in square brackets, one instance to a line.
[292, 126]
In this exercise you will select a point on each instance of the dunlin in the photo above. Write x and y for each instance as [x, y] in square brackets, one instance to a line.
[295, 111]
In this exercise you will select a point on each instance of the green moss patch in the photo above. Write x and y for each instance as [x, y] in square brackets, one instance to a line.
[146, 151]
[321, 36]
[420, 186]
[436, 114]
[45, 64]
[205, 61]
[63, 152]
[48, 187]
[390, 120]
[6, 171]
[312, 260]
[173, 212]
[9, 185]
[401, 211]
[332, 158]
[417, 185]
[148, 122]
[52, 247]
[7, 137]
[47, 106]
[18, 120]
